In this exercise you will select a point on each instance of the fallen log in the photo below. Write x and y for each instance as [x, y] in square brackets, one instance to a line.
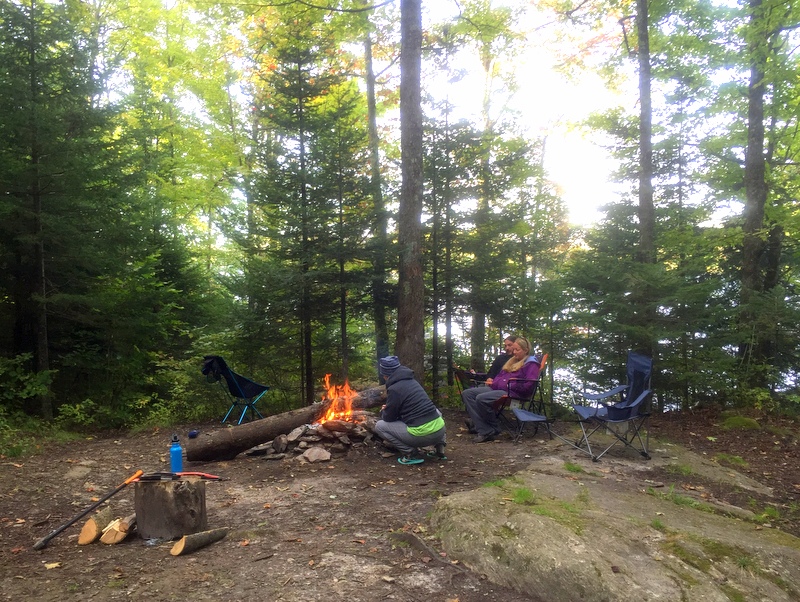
[93, 528]
[190, 543]
[226, 443]
[118, 530]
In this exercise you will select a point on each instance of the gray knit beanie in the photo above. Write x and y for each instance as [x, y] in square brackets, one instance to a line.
[388, 365]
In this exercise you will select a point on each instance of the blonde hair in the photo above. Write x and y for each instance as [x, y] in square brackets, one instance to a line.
[512, 365]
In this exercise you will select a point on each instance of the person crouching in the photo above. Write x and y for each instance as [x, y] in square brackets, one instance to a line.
[409, 419]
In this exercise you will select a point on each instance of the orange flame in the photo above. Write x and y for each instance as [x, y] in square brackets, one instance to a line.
[342, 397]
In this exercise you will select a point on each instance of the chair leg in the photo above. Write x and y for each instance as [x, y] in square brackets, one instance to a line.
[230, 409]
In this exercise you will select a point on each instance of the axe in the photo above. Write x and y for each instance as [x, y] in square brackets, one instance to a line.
[44, 540]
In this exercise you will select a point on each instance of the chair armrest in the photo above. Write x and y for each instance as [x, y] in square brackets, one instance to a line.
[510, 393]
[604, 395]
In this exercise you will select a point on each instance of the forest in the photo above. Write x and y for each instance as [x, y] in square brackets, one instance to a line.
[278, 184]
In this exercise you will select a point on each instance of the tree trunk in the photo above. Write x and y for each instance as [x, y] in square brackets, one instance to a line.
[647, 219]
[754, 244]
[410, 344]
[380, 227]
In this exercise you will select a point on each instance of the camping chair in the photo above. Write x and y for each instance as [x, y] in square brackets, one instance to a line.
[466, 379]
[241, 392]
[533, 411]
[623, 419]
[530, 407]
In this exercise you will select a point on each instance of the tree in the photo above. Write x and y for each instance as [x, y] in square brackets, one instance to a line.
[53, 174]
[410, 345]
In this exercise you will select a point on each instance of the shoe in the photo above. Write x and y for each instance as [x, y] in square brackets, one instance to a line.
[412, 459]
[485, 438]
[471, 427]
[439, 453]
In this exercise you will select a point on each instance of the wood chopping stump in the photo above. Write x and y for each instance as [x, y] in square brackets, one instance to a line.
[170, 509]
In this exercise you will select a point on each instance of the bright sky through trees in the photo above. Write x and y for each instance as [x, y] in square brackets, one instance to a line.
[550, 104]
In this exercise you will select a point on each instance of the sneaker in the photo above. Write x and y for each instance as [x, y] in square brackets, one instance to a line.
[439, 453]
[471, 427]
[485, 438]
[411, 459]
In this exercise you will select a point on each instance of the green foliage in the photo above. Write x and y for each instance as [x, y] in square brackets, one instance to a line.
[14, 440]
[523, 496]
[18, 383]
[740, 423]
[152, 212]
[735, 461]
[683, 470]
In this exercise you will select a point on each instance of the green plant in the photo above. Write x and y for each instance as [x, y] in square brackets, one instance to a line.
[658, 525]
[680, 500]
[769, 514]
[523, 496]
[742, 423]
[571, 467]
[680, 469]
[737, 461]
[18, 382]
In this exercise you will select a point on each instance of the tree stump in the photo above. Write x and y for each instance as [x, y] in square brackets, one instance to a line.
[170, 509]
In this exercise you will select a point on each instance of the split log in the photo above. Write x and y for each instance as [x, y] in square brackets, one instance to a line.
[118, 530]
[170, 509]
[190, 543]
[93, 528]
[227, 443]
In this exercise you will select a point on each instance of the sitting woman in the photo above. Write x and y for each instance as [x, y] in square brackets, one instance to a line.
[409, 420]
[479, 400]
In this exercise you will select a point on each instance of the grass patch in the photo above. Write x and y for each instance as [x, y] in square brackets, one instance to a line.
[570, 467]
[683, 470]
[740, 423]
[681, 500]
[658, 525]
[523, 496]
[768, 515]
[734, 461]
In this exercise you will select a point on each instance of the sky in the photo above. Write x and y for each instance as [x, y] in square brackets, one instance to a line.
[551, 104]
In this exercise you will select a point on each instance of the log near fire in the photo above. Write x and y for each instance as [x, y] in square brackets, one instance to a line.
[227, 443]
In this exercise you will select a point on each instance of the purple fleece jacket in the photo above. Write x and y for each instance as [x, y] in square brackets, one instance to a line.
[530, 370]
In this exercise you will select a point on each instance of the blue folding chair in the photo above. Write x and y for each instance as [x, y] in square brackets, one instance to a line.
[624, 419]
[240, 391]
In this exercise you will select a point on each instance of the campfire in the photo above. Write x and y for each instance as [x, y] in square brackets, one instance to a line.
[340, 400]
[343, 419]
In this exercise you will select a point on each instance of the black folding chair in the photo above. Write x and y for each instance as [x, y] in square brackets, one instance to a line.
[623, 419]
[241, 392]
[466, 379]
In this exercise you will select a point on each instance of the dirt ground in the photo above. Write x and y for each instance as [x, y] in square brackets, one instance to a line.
[350, 529]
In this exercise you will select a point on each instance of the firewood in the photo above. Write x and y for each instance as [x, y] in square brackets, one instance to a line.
[93, 528]
[118, 530]
[195, 541]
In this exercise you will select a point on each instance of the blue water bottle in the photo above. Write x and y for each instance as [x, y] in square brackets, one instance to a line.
[176, 455]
